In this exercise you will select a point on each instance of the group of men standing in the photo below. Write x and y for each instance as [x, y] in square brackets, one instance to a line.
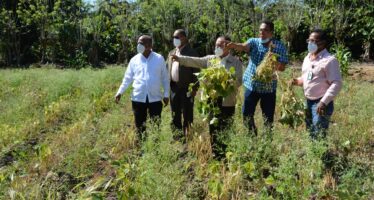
[149, 72]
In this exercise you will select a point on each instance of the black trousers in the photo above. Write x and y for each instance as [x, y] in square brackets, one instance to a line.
[218, 137]
[141, 111]
[181, 105]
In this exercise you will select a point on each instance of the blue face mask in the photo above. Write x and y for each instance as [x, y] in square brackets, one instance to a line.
[264, 41]
[312, 47]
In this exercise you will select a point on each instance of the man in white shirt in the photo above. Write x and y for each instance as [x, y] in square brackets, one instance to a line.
[147, 72]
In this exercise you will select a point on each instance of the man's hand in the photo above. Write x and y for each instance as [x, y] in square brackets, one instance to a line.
[117, 98]
[321, 108]
[230, 45]
[237, 46]
[296, 81]
[165, 101]
[193, 93]
[280, 67]
[292, 82]
[174, 57]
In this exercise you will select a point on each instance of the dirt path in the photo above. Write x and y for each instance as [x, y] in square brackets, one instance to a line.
[362, 71]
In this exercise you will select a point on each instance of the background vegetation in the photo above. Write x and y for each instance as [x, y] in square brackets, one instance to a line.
[71, 33]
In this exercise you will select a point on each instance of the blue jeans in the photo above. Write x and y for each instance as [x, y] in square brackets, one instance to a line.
[267, 104]
[316, 124]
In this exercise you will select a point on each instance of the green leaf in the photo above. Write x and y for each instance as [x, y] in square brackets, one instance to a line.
[269, 180]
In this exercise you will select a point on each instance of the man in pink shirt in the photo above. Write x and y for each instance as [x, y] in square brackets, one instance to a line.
[322, 81]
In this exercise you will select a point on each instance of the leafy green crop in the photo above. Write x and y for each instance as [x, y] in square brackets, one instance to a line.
[215, 82]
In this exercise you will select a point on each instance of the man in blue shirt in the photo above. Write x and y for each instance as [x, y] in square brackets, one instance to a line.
[147, 73]
[256, 91]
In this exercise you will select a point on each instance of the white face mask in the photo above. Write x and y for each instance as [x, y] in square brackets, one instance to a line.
[218, 51]
[177, 42]
[140, 48]
[264, 41]
[312, 47]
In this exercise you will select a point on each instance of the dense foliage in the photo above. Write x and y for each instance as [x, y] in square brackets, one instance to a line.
[215, 82]
[71, 33]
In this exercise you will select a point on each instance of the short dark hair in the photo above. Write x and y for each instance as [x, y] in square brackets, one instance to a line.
[321, 33]
[182, 32]
[147, 39]
[225, 37]
[269, 23]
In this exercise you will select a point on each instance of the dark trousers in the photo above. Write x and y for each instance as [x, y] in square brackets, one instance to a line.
[141, 111]
[267, 104]
[225, 120]
[181, 105]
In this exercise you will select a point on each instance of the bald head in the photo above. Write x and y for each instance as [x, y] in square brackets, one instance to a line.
[180, 32]
[221, 42]
[181, 35]
[146, 41]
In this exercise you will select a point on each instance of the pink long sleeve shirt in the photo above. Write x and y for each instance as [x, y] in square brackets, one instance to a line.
[321, 77]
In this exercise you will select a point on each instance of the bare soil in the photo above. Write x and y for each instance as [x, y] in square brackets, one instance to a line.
[362, 71]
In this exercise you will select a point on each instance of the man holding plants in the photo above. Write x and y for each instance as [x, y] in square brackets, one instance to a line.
[322, 81]
[255, 90]
[226, 105]
[147, 72]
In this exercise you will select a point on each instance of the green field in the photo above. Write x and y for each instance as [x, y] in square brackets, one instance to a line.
[63, 137]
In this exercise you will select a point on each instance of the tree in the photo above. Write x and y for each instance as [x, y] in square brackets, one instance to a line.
[364, 26]
[290, 14]
[44, 15]
[10, 32]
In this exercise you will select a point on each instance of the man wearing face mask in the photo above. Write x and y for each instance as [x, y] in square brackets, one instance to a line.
[181, 100]
[322, 81]
[227, 104]
[256, 91]
[148, 73]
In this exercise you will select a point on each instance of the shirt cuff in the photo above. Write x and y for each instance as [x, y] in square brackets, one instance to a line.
[327, 99]
[120, 91]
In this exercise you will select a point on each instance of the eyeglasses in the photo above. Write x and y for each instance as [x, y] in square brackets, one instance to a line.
[175, 37]
[311, 40]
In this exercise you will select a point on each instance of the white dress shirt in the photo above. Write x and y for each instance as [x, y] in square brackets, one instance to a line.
[147, 76]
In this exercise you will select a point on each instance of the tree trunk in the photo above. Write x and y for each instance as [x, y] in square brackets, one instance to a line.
[367, 50]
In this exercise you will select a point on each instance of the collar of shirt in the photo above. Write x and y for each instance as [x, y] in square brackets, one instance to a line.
[179, 49]
[227, 59]
[149, 56]
[320, 55]
[263, 44]
[224, 59]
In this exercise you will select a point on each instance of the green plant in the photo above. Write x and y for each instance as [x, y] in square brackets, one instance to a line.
[79, 61]
[215, 82]
[343, 55]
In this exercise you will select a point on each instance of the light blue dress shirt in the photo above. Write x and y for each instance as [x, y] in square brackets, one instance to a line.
[148, 76]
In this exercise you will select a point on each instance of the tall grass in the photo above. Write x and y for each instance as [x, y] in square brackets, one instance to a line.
[63, 137]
